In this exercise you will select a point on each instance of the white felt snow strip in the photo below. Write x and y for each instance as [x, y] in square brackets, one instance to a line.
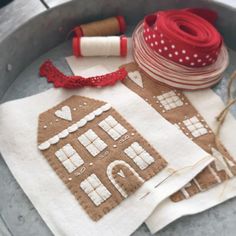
[169, 211]
[72, 128]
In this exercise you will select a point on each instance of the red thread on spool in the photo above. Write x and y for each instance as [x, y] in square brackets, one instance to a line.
[78, 31]
[123, 46]
[76, 46]
[122, 24]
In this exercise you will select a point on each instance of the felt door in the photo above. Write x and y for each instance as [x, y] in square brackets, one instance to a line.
[124, 177]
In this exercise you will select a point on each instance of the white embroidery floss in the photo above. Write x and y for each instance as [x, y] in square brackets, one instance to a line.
[99, 46]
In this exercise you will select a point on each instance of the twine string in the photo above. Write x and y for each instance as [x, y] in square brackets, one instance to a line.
[223, 114]
[230, 101]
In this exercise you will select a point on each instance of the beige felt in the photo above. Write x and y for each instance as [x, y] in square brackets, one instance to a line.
[80, 107]
[210, 176]
[106, 27]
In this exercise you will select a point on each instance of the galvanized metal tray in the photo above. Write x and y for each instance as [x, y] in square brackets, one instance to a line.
[36, 32]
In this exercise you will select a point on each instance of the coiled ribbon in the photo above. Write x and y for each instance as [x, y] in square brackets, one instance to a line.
[185, 36]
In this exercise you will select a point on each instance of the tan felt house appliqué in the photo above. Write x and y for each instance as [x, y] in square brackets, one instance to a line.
[99, 156]
[174, 106]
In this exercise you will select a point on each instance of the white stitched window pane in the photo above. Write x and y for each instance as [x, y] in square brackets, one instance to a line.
[198, 125]
[137, 148]
[196, 133]
[61, 155]
[175, 98]
[187, 122]
[146, 157]
[103, 192]
[97, 200]
[169, 100]
[194, 119]
[191, 128]
[84, 140]
[103, 124]
[166, 95]
[164, 103]
[99, 144]
[167, 107]
[130, 152]
[69, 165]
[86, 186]
[68, 150]
[76, 160]
[92, 149]
[94, 181]
[96, 191]
[139, 161]
[172, 105]
[91, 135]
[115, 135]
[111, 121]
[179, 103]
[203, 131]
[120, 129]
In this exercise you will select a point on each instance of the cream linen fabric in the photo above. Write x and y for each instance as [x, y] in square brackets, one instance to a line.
[57, 206]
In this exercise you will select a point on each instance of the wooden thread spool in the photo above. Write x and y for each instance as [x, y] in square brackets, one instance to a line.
[110, 26]
[100, 46]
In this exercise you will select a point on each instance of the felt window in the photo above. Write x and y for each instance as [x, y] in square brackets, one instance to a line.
[92, 142]
[96, 191]
[139, 156]
[114, 129]
[69, 158]
[170, 100]
[195, 127]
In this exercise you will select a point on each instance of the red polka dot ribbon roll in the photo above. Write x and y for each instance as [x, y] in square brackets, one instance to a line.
[183, 36]
[181, 48]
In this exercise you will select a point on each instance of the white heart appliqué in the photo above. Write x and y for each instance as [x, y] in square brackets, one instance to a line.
[64, 113]
[136, 78]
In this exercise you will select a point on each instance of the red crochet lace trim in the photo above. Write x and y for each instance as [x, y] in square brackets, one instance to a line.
[56, 77]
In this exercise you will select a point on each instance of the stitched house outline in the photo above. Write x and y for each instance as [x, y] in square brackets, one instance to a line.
[89, 153]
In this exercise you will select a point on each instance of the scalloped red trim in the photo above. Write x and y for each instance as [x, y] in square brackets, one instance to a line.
[53, 75]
